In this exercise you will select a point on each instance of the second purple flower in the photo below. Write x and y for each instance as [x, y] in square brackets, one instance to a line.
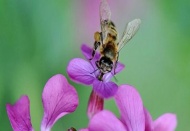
[86, 72]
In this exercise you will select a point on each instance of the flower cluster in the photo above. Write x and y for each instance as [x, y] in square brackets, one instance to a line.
[60, 98]
[83, 71]
[134, 116]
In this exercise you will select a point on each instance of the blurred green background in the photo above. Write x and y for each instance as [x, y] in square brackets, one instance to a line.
[38, 38]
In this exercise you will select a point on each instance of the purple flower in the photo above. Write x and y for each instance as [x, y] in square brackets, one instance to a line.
[134, 117]
[59, 98]
[85, 72]
[19, 115]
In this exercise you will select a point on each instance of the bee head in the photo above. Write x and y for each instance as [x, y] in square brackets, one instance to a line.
[105, 65]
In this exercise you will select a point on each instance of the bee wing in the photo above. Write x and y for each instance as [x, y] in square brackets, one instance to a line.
[130, 30]
[105, 15]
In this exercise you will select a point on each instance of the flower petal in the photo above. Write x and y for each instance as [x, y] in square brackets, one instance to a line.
[148, 121]
[59, 98]
[87, 52]
[119, 67]
[105, 89]
[19, 114]
[80, 71]
[106, 121]
[95, 104]
[166, 122]
[131, 109]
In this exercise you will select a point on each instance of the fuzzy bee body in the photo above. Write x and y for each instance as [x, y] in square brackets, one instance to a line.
[109, 50]
[107, 39]
[109, 46]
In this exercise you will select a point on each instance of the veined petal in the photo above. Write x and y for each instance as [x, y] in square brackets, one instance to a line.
[105, 89]
[80, 71]
[106, 121]
[87, 52]
[166, 122]
[148, 121]
[59, 98]
[131, 109]
[19, 114]
[95, 104]
[119, 67]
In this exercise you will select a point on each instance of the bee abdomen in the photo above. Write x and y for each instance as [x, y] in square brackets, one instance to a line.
[110, 55]
[110, 51]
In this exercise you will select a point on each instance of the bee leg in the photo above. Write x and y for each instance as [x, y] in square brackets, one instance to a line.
[96, 44]
[116, 63]
[101, 36]
[97, 64]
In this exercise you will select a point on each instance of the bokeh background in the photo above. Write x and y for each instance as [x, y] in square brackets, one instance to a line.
[38, 38]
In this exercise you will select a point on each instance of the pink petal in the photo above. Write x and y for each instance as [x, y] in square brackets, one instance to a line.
[59, 98]
[95, 104]
[19, 114]
[119, 67]
[106, 121]
[166, 122]
[131, 109]
[148, 121]
[87, 52]
[105, 89]
[80, 71]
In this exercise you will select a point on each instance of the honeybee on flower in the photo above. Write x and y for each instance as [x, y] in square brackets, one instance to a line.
[107, 40]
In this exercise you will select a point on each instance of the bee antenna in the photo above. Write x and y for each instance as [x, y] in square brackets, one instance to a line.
[114, 77]
[94, 71]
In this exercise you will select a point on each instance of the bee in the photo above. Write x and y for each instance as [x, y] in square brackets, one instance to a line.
[107, 40]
